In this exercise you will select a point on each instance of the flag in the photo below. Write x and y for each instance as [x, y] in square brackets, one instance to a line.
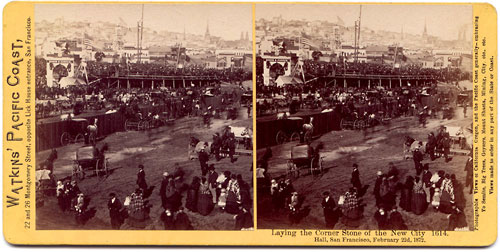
[306, 40]
[87, 40]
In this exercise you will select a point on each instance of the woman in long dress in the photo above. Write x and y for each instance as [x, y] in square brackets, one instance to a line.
[351, 209]
[192, 195]
[406, 193]
[233, 196]
[205, 200]
[419, 198]
[447, 195]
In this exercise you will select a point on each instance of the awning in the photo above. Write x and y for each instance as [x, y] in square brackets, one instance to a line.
[70, 81]
[287, 80]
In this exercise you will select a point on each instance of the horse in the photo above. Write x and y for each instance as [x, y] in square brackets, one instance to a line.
[92, 132]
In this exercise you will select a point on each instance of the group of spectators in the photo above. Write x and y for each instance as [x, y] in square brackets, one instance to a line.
[315, 69]
[102, 69]
[227, 192]
[392, 102]
[56, 100]
[437, 191]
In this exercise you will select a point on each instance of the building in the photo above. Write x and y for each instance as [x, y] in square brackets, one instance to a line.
[130, 53]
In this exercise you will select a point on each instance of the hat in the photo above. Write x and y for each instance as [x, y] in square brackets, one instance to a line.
[355, 165]
[379, 173]
[141, 166]
[165, 174]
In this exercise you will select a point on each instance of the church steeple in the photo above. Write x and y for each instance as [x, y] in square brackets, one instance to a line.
[425, 29]
[207, 32]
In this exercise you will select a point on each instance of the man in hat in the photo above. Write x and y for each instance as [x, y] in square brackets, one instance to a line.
[431, 145]
[417, 160]
[212, 182]
[141, 179]
[376, 188]
[216, 145]
[114, 207]
[163, 188]
[328, 205]
[203, 157]
[356, 182]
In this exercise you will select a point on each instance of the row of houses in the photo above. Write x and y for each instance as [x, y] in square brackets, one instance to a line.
[301, 47]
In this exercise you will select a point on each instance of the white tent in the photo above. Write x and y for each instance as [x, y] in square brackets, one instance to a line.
[70, 81]
[287, 80]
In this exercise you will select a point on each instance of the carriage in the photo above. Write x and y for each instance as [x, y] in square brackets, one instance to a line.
[246, 98]
[90, 158]
[137, 122]
[232, 113]
[290, 130]
[304, 157]
[75, 131]
[243, 136]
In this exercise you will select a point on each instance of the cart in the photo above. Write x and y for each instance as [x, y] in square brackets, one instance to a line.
[75, 130]
[243, 137]
[89, 158]
[304, 157]
[136, 122]
[290, 130]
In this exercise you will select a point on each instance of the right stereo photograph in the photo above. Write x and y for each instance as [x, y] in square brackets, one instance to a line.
[364, 116]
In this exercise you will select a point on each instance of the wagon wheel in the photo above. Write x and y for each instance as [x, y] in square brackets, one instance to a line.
[355, 124]
[78, 172]
[106, 165]
[295, 136]
[362, 124]
[343, 124]
[127, 125]
[64, 138]
[320, 165]
[140, 125]
[280, 137]
[308, 137]
[289, 165]
[79, 138]
[97, 168]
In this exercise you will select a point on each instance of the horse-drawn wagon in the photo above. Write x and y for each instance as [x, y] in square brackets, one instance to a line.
[304, 157]
[90, 158]
[75, 130]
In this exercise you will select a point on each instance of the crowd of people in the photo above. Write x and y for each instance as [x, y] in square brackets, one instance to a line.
[425, 190]
[103, 69]
[55, 100]
[391, 102]
[212, 192]
[316, 68]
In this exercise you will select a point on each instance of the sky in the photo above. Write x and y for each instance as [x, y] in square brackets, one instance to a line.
[443, 21]
[225, 20]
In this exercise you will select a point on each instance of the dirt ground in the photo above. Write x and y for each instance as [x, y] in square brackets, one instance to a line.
[158, 150]
[372, 152]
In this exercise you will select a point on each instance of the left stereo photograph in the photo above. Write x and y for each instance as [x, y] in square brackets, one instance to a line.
[144, 116]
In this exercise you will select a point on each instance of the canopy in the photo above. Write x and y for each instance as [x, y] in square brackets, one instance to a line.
[287, 80]
[243, 132]
[84, 153]
[70, 81]
[42, 175]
